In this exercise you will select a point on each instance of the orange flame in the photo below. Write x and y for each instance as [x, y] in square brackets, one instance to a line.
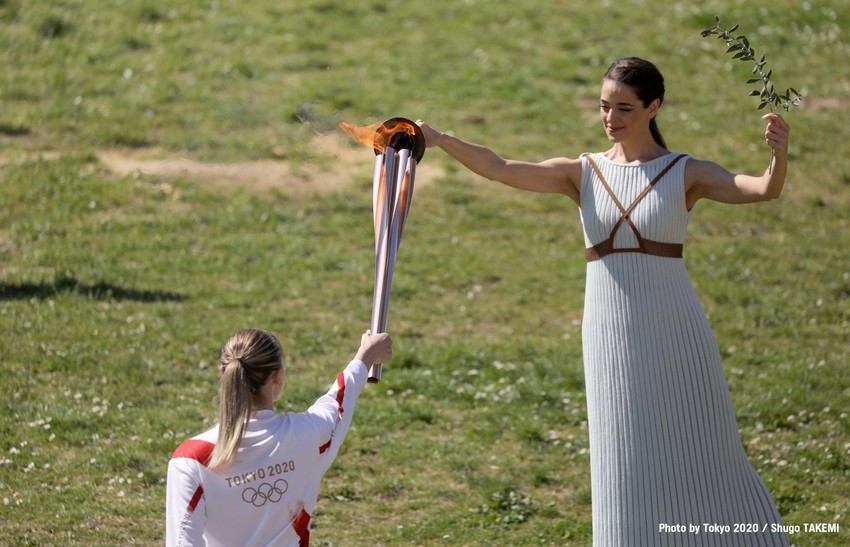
[364, 135]
[377, 135]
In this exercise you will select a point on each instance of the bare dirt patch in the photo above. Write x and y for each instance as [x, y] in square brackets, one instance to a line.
[821, 104]
[342, 166]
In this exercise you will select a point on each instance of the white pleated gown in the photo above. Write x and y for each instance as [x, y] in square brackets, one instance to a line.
[664, 442]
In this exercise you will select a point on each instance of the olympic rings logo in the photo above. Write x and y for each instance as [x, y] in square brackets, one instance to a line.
[265, 493]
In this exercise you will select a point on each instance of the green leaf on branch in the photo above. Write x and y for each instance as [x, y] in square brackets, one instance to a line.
[740, 46]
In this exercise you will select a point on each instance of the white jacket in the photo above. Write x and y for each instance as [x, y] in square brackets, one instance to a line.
[267, 495]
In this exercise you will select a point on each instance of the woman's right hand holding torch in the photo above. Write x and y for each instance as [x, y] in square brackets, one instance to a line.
[375, 348]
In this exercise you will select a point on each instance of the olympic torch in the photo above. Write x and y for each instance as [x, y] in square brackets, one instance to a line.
[399, 146]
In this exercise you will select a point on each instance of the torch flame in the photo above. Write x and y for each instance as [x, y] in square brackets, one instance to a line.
[365, 135]
[395, 132]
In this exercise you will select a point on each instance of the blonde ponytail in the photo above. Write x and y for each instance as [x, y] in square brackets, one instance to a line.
[234, 412]
[247, 360]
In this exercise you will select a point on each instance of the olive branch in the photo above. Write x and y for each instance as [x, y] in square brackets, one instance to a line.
[740, 46]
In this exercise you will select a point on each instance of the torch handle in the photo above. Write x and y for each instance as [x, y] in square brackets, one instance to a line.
[392, 194]
[374, 374]
[379, 325]
[383, 191]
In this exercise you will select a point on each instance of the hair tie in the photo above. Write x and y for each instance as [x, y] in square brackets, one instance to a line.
[237, 360]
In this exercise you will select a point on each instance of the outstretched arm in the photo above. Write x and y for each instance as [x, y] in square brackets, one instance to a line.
[552, 176]
[332, 413]
[708, 180]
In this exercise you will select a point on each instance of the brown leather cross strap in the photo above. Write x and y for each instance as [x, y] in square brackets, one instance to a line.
[645, 246]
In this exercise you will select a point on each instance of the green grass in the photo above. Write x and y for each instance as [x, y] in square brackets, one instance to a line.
[116, 294]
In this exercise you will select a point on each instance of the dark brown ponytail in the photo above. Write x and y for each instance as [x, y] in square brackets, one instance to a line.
[656, 133]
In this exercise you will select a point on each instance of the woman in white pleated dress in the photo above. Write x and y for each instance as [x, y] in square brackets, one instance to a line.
[667, 463]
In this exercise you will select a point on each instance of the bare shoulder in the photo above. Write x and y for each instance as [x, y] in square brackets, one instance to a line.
[703, 172]
[569, 166]
[551, 176]
[569, 171]
[696, 166]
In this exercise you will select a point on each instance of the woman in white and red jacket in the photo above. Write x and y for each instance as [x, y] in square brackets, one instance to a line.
[253, 479]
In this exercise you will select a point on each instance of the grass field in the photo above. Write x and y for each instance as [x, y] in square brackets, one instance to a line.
[118, 289]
